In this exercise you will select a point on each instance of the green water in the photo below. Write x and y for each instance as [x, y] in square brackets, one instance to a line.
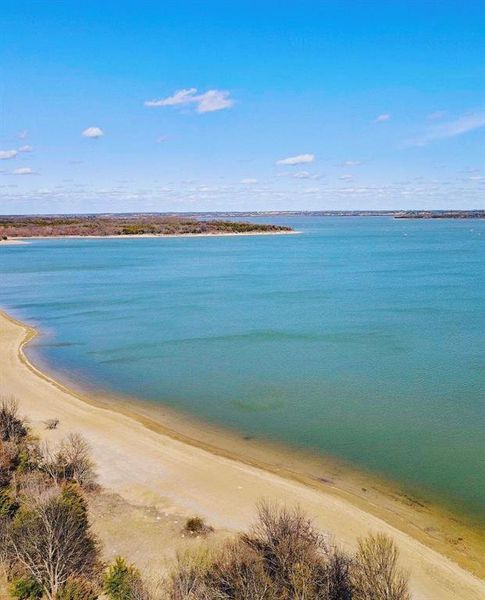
[361, 337]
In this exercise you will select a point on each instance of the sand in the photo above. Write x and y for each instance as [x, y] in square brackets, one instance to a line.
[122, 236]
[149, 469]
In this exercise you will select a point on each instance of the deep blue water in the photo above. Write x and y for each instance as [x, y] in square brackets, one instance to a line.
[361, 337]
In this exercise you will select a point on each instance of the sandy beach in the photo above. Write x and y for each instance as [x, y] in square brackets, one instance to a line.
[26, 240]
[152, 470]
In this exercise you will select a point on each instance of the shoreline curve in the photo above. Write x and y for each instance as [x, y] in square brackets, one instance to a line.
[151, 464]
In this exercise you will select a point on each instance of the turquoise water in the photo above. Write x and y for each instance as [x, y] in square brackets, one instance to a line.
[361, 337]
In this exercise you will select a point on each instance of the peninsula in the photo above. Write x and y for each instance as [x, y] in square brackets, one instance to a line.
[108, 225]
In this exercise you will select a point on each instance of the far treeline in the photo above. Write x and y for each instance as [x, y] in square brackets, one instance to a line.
[48, 549]
[396, 214]
[113, 225]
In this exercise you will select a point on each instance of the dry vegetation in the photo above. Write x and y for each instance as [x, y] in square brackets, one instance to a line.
[48, 549]
[112, 225]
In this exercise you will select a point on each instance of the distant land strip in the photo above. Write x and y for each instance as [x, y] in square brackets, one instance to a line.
[397, 214]
[107, 225]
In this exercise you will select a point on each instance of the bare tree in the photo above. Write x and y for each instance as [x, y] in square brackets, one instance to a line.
[376, 573]
[12, 427]
[71, 461]
[50, 539]
[75, 457]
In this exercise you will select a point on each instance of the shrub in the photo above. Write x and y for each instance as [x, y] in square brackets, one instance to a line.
[26, 588]
[123, 582]
[8, 505]
[78, 588]
[51, 423]
[376, 574]
[239, 572]
[282, 558]
[197, 526]
[188, 578]
[8, 461]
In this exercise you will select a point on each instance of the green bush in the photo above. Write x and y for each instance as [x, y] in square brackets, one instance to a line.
[8, 506]
[122, 581]
[26, 588]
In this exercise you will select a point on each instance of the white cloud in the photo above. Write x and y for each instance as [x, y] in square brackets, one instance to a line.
[210, 101]
[93, 132]
[351, 163]
[300, 159]
[26, 148]
[249, 181]
[7, 154]
[382, 118]
[214, 100]
[23, 134]
[475, 177]
[180, 97]
[463, 124]
[23, 171]
[346, 177]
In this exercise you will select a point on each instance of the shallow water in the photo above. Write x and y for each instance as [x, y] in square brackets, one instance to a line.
[361, 337]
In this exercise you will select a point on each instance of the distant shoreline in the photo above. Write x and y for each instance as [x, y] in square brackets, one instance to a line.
[476, 213]
[27, 239]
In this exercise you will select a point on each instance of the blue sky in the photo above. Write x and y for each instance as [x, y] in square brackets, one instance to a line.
[187, 106]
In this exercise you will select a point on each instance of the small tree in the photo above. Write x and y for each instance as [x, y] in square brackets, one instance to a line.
[75, 457]
[123, 581]
[50, 539]
[71, 461]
